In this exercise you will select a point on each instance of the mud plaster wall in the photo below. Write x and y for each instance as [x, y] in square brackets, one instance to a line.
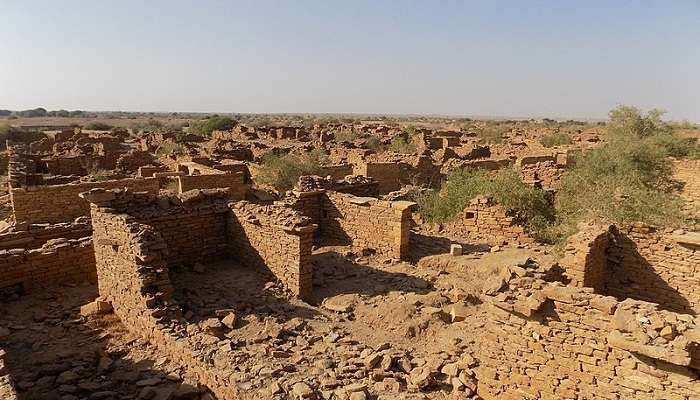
[567, 351]
[59, 262]
[366, 223]
[61, 203]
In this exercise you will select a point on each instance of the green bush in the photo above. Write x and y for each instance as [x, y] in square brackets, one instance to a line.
[401, 145]
[345, 136]
[626, 180]
[375, 143]
[119, 130]
[100, 175]
[492, 134]
[151, 125]
[528, 204]
[98, 126]
[206, 126]
[555, 139]
[171, 149]
[283, 172]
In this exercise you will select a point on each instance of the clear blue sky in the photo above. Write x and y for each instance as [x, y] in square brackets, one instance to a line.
[556, 58]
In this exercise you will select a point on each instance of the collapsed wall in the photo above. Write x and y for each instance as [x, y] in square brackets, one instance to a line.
[235, 182]
[133, 278]
[35, 236]
[57, 261]
[547, 341]
[136, 236]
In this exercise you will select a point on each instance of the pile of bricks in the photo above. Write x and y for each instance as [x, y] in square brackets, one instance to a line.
[32, 236]
[548, 341]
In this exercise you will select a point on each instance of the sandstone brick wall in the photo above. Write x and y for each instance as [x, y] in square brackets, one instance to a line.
[148, 171]
[7, 388]
[656, 266]
[546, 174]
[487, 222]
[66, 165]
[194, 236]
[234, 182]
[133, 160]
[336, 171]
[59, 261]
[192, 226]
[366, 223]
[131, 269]
[276, 238]
[388, 175]
[637, 262]
[547, 341]
[686, 172]
[60, 203]
[585, 262]
[133, 277]
[36, 235]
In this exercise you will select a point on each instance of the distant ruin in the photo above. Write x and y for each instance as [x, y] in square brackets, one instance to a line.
[129, 272]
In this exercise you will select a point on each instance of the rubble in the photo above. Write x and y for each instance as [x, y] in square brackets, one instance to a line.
[184, 278]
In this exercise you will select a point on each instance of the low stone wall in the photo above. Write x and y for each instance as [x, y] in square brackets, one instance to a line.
[58, 261]
[234, 182]
[388, 175]
[133, 160]
[336, 171]
[648, 264]
[487, 222]
[545, 175]
[637, 262]
[60, 203]
[277, 238]
[36, 236]
[148, 171]
[585, 261]
[366, 223]
[133, 278]
[546, 341]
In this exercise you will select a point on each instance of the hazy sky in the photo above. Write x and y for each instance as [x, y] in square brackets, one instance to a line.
[559, 58]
